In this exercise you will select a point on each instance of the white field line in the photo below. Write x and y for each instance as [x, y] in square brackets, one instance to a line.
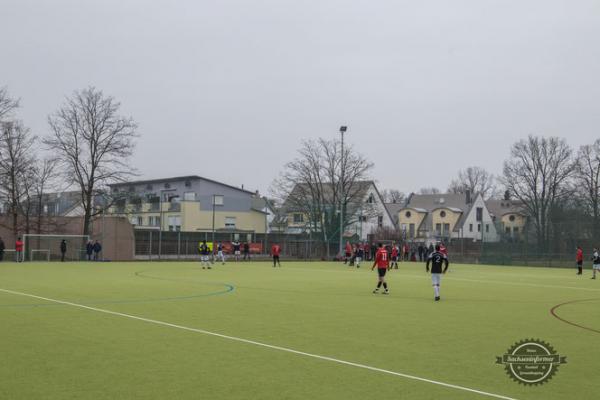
[269, 346]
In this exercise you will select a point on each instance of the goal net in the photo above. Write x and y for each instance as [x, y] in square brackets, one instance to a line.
[47, 247]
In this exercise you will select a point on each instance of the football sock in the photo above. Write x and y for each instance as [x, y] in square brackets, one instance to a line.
[385, 285]
[378, 285]
[437, 291]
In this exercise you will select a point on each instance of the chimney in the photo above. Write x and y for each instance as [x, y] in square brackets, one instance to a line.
[468, 195]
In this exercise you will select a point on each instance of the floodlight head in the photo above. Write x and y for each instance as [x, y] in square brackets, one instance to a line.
[343, 128]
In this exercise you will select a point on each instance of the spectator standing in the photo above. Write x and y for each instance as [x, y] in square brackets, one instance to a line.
[19, 250]
[63, 250]
[276, 252]
[2, 247]
[246, 251]
[97, 249]
[420, 250]
[89, 249]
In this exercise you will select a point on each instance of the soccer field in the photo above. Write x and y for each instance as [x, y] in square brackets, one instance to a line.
[304, 331]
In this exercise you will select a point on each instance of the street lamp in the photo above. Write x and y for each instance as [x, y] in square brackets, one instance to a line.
[343, 130]
[160, 213]
[217, 200]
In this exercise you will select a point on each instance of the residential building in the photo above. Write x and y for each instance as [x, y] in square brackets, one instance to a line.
[429, 217]
[509, 216]
[190, 204]
[366, 210]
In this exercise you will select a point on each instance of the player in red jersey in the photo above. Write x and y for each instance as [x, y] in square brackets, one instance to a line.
[382, 263]
[443, 249]
[394, 255]
[579, 260]
[275, 252]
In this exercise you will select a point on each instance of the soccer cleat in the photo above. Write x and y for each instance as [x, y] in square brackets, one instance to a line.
[209, 267]
[593, 277]
[437, 298]
[376, 291]
[386, 291]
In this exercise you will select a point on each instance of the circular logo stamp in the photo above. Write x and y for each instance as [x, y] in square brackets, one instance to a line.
[531, 362]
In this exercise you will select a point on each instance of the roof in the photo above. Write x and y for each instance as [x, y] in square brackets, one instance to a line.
[394, 209]
[176, 179]
[456, 202]
[498, 208]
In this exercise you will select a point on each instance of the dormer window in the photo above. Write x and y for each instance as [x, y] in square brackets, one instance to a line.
[371, 199]
[407, 214]
[442, 214]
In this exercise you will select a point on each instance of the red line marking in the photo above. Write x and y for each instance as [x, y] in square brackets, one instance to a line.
[555, 315]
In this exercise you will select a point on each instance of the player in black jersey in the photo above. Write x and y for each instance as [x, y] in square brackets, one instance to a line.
[596, 263]
[437, 259]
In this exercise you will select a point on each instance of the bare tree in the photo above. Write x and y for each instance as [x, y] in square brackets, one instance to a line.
[7, 104]
[16, 160]
[312, 185]
[537, 173]
[93, 144]
[393, 196]
[429, 190]
[476, 180]
[587, 178]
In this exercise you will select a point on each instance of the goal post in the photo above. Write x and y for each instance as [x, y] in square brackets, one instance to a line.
[47, 247]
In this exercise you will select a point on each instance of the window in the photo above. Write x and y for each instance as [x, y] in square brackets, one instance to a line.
[516, 229]
[446, 229]
[218, 200]
[438, 229]
[140, 220]
[478, 227]
[363, 218]
[407, 214]
[148, 187]
[443, 214]
[380, 221]
[298, 218]
[174, 223]
[188, 183]
[487, 228]
[230, 222]
[189, 196]
[371, 199]
[167, 185]
[470, 227]
[479, 214]
[411, 230]
[511, 218]
[507, 230]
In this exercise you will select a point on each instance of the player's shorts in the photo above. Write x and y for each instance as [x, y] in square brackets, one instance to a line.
[348, 255]
[275, 258]
[436, 279]
[237, 252]
[358, 260]
[381, 272]
[204, 258]
[579, 263]
[597, 267]
[220, 254]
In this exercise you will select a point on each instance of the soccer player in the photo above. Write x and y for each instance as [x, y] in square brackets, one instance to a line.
[437, 258]
[360, 254]
[348, 252]
[204, 252]
[382, 263]
[220, 254]
[395, 252]
[275, 252]
[579, 260]
[19, 249]
[236, 250]
[596, 263]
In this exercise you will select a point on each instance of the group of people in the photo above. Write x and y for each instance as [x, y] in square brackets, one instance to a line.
[91, 248]
[355, 253]
[206, 252]
[438, 260]
[595, 261]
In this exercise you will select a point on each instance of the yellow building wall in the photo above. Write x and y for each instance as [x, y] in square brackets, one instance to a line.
[290, 220]
[415, 218]
[519, 222]
[451, 218]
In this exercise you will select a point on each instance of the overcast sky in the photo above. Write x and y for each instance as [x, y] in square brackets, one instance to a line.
[227, 89]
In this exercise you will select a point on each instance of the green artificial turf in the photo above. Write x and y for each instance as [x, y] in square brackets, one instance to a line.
[58, 351]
